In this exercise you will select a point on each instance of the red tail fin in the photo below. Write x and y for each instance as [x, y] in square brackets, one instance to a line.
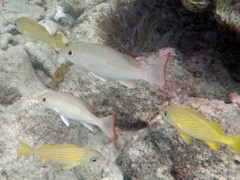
[108, 126]
[157, 74]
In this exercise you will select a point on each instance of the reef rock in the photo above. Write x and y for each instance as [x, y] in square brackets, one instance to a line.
[146, 147]
[228, 12]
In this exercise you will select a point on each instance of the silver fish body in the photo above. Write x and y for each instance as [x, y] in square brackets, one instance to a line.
[107, 63]
[71, 108]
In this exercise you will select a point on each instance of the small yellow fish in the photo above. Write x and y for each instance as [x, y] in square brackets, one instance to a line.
[68, 155]
[192, 124]
[34, 30]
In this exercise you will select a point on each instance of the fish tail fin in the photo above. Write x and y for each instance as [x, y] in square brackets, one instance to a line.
[235, 143]
[108, 126]
[157, 74]
[58, 41]
[26, 149]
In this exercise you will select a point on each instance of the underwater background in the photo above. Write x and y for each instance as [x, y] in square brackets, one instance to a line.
[203, 73]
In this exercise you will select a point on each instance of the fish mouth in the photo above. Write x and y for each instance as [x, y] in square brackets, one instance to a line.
[100, 159]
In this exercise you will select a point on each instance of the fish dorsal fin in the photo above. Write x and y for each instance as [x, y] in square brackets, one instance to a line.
[187, 139]
[194, 112]
[43, 29]
[211, 123]
[212, 145]
[86, 104]
[130, 59]
[216, 127]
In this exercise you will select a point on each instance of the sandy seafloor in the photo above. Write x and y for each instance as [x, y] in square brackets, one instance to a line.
[147, 148]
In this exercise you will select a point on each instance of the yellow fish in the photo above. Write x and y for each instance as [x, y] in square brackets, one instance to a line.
[192, 124]
[34, 30]
[68, 155]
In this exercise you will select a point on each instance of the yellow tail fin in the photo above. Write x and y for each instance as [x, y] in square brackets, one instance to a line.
[58, 41]
[26, 149]
[235, 143]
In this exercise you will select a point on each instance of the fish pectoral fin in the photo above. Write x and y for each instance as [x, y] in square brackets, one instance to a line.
[216, 127]
[89, 126]
[187, 139]
[129, 84]
[68, 167]
[43, 159]
[212, 145]
[65, 120]
[97, 76]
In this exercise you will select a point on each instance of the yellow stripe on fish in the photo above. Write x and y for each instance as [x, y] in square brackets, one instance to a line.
[192, 124]
[68, 155]
[34, 30]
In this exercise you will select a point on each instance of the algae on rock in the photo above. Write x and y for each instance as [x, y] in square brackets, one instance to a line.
[228, 12]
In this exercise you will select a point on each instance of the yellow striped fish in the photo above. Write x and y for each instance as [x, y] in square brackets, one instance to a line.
[192, 124]
[68, 155]
[34, 30]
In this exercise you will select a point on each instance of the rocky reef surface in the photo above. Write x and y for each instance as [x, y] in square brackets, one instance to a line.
[147, 148]
[228, 12]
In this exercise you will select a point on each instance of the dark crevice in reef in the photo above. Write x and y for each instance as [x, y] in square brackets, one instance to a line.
[146, 25]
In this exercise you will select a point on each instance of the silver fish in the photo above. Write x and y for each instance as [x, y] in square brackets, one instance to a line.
[71, 108]
[106, 63]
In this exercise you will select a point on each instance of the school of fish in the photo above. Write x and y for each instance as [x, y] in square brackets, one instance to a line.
[106, 63]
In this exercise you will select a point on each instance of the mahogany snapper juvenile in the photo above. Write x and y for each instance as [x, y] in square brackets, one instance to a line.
[106, 63]
[71, 108]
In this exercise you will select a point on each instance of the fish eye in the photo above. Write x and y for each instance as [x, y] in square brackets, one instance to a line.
[44, 99]
[94, 159]
[70, 52]
[166, 113]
